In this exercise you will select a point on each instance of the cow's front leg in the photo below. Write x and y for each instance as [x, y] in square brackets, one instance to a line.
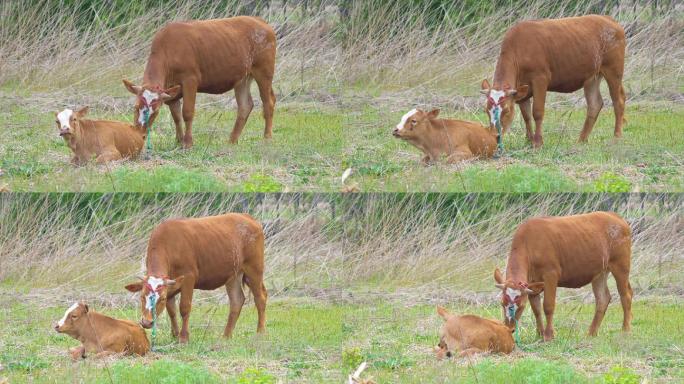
[177, 115]
[539, 91]
[189, 97]
[535, 304]
[550, 285]
[185, 307]
[171, 310]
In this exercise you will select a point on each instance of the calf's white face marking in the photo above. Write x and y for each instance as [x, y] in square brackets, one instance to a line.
[66, 314]
[155, 283]
[405, 118]
[496, 96]
[64, 118]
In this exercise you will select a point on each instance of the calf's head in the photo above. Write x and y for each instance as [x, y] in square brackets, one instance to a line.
[514, 297]
[148, 101]
[74, 319]
[153, 294]
[68, 121]
[414, 124]
[501, 102]
[442, 350]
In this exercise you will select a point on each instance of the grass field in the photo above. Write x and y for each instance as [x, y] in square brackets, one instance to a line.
[351, 278]
[341, 85]
[322, 340]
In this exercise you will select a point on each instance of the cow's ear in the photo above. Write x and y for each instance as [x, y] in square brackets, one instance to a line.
[519, 93]
[132, 88]
[498, 277]
[535, 288]
[433, 114]
[85, 308]
[171, 93]
[175, 283]
[485, 87]
[135, 287]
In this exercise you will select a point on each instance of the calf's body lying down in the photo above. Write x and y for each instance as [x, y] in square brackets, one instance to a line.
[102, 139]
[469, 334]
[101, 334]
[457, 140]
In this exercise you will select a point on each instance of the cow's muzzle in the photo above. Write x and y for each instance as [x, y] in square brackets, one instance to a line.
[145, 323]
[395, 132]
[64, 131]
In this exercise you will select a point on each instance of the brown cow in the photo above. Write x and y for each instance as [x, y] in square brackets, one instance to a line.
[104, 140]
[204, 253]
[209, 56]
[101, 334]
[456, 139]
[569, 252]
[470, 334]
[560, 55]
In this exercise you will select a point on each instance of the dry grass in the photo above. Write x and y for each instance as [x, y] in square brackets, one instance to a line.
[322, 245]
[387, 56]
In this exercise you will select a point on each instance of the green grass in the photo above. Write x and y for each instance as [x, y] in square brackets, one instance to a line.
[645, 159]
[310, 340]
[312, 146]
[303, 155]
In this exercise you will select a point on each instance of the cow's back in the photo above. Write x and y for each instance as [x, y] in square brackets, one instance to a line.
[579, 246]
[568, 50]
[212, 248]
[218, 52]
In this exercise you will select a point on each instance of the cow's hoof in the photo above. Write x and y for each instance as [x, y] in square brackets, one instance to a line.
[183, 340]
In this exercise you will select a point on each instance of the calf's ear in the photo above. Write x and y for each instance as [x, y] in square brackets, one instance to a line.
[135, 287]
[175, 283]
[433, 114]
[535, 288]
[82, 112]
[132, 88]
[519, 93]
[441, 311]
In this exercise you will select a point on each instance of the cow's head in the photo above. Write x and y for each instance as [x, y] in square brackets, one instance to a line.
[153, 292]
[442, 349]
[514, 297]
[501, 102]
[68, 121]
[74, 319]
[414, 124]
[148, 101]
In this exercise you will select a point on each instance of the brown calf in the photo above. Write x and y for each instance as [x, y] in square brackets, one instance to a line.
[101, 334]
[208, 56]
[569, 252]
[469, 335]
[205, 253]
[562, 55]
[456, 139]
[104, 140]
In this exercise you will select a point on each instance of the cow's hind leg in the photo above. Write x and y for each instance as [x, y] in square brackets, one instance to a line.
[621, 273]
[243, 97]
[177, 115]
[237, 300]
[617, 94]
[592, 92]
[255, 281]
[602, 296]
[268, 99]
[171, 310]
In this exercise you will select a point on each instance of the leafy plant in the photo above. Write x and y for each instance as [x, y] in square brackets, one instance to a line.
[255, 376]
[258, 182]
[352, 357]
[621, 375]
[612, 183]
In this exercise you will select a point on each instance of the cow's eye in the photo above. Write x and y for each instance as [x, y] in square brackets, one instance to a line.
[414, 122]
